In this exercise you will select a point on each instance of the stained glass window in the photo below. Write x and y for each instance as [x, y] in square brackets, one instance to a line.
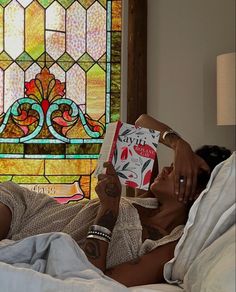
[59, 87]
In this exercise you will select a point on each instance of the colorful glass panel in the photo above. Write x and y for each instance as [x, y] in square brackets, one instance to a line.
[59, 87]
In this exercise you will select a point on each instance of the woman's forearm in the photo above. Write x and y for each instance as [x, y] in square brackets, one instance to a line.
[170, 140]
[108, 190]
[96, 249]
[147, 269]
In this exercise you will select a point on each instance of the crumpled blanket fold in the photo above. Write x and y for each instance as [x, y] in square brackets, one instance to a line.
[50, 262]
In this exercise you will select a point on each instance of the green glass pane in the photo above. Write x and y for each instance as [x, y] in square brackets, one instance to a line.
[45, 3]
[5, 178]
[4, 3]
[5, 60]
[66, 3]
[66, 61]
[86, 3]
[103, 59]
[83, 149]
[20, 179]
[24, 65]
[45, 60]
[11, 148]
[24, 57]
[24, 61]
[103, 2]
[115, 48]
[115, 107]
[63, 179]
[103, 66]
[115, 78]
[86, 62]
[102, 62]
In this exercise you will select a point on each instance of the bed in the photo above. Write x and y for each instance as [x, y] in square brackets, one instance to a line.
[204, 257]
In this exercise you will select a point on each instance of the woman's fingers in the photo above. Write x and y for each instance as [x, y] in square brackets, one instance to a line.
[188, 188]
[182, 187]
[179, 186]
[182, 184]
[108, 185]
[101, 185]
[185, 186]
[101, 176]
[109, 168]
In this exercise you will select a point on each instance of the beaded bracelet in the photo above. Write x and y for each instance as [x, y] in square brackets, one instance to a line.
[100, 229]
[99, 235]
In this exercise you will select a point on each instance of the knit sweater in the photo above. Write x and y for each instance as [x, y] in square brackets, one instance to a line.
[35, 213]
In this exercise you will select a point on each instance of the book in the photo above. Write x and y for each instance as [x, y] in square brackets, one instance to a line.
[132, 151]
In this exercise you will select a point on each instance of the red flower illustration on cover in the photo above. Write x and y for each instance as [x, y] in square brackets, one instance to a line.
[124, 153]
[147, 177]
[131, 184]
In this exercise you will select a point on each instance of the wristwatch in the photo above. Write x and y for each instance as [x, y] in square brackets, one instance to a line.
[169, 132]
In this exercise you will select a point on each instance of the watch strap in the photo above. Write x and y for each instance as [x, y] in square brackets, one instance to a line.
[169, 132]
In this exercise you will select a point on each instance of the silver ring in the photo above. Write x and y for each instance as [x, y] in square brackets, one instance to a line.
[181, 180]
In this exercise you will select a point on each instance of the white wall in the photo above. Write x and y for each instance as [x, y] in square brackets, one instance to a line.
[184, 38]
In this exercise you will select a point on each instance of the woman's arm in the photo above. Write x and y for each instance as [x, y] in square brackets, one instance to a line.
[147, 121]
[186, 163]
[5, 220]
[108, 190]
[145, 270]
[148, 269]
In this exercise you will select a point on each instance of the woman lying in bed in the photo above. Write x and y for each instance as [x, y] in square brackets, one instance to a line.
[129, 239]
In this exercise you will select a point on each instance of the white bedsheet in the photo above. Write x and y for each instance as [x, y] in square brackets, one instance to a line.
[156, 288]
[214, 268]
[50, 262]
[212, 215]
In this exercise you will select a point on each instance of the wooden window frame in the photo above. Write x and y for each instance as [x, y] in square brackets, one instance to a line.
[136, 64]
[137, 60]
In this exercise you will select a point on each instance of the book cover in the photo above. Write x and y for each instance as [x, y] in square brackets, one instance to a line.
[132, 152]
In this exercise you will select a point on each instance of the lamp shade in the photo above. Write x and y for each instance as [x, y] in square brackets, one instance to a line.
[226, 89]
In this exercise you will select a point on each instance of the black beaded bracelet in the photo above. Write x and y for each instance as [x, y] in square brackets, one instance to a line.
[100, 229]
[99, 235]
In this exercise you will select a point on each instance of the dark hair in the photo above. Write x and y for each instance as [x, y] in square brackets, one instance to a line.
[213, 155]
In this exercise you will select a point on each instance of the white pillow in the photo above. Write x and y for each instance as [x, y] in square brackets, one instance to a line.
[210, 216]
[214, 268]
[156, 288]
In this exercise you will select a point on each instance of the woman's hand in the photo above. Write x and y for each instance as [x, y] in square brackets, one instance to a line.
[108, 187]
[187, 165]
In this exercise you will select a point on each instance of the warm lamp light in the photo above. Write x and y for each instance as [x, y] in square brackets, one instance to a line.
[226, 89]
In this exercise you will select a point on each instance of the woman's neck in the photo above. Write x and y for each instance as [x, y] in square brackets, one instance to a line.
[166, 217]
[171, 214]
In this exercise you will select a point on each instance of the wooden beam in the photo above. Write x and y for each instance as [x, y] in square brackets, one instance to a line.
[137, 60]
[137, 64]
